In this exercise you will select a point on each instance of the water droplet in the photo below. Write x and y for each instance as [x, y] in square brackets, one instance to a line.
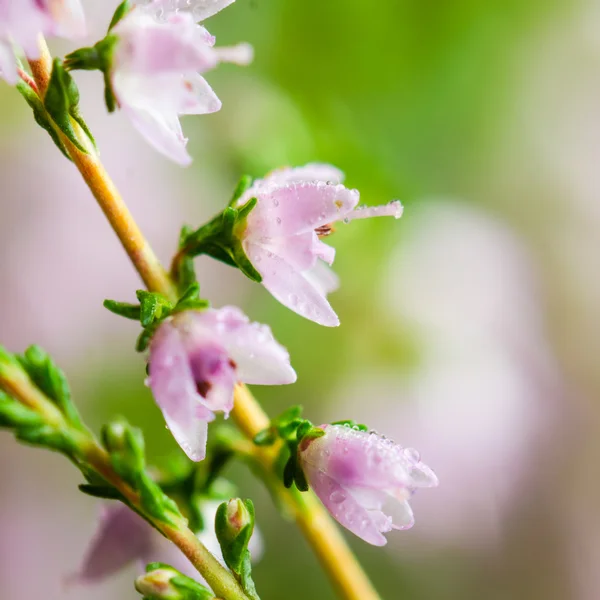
[294, 299]
[412, 455]
[275, 202]
[337, 497]
[346, 220]
[278, 220]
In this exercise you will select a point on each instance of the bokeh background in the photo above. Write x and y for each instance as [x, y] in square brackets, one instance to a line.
[469, 328]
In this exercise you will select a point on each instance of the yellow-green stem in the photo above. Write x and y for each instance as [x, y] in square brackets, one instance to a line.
[321, 533]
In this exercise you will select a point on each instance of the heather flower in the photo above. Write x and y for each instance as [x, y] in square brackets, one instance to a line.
[196, 358]
[123, 538]
[155, 73]
[295, 209]
[22, 21]
[364, 480]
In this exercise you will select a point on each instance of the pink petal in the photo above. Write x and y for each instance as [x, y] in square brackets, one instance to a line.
[174, 389]
[148, 47]
[69, 17]
[299, 251]
[391, 209]
[345, 509]
[309, 172]
[291, 287]
[323, 278]
[8, 63]
[198, 98]
[122, 538]
[323, 251]
[202, 9]
[298, 208]
[162, 132]
[258, 357]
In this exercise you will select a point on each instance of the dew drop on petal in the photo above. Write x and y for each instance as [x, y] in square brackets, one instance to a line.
[412, 455]
[337, 497]
[278, 220]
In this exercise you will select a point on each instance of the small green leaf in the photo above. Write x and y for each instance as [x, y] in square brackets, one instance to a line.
[50, 380]
[97, 491]
[61, 102]
[229, 219]
[289, 472]
[14, 414]
[266, 437]
[123, 309]
[40, 115]
[245, 210]
[119, 13]
[144, 339]
[47, 437]
[243, 184]
[155, 502]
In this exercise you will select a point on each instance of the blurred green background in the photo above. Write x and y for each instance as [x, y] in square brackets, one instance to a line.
[469, 328]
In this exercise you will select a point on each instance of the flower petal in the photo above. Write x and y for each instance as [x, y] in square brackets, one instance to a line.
[147, 47]
[69, 17]
[291, 287]
[323, 278]
[299, 251]
[162, 132]
[174, 390]
[202, 9]
[8, 63]
[122, 538]
[289, 209]
[309, 172]
[345, 509]
[199, 98]
[258, 357]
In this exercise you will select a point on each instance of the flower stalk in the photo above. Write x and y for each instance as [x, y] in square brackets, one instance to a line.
[337, 559]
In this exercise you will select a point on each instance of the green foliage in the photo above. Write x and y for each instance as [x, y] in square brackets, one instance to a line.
[62, 104]
[234, 524]
[51, 380]
[154, 308]
[292, 429]
[220, 238]
[126, 449]
[41, 115]
[119, 13]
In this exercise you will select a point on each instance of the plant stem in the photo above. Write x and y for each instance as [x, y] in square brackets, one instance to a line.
[321, 533]
[110, 201]
[91, 453]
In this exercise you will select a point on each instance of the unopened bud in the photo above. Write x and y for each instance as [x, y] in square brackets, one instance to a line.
[162, 582]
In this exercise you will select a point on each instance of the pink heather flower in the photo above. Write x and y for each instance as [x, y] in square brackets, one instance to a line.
[156, 73]
[22, 21]
[196, 358]
[123, 538]
[295, 209]
[364, 480]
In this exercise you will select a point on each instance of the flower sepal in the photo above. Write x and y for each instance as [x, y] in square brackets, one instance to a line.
[61, 102]
[154, 308]
[220, 238]
[163, 582]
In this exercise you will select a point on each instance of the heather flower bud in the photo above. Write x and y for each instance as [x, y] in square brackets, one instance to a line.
[162, 582]
[195, 360]
[232, 518]
[295, 209]
[363, 479]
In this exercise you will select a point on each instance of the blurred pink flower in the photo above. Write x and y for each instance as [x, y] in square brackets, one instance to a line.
[196, 358]
[22, 21]
[155, 74]
[296, 207]
[364, 480]
[124, 538]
